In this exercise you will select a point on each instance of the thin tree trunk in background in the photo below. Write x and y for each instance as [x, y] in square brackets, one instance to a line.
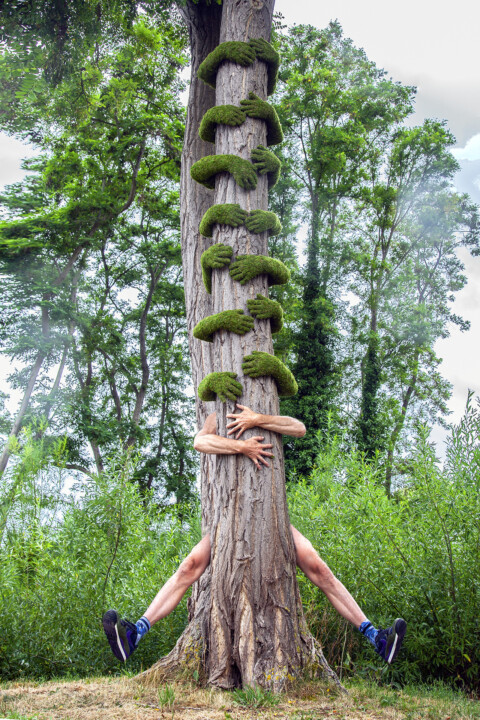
[37, 366]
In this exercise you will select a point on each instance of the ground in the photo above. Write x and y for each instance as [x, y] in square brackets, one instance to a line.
[124, 699]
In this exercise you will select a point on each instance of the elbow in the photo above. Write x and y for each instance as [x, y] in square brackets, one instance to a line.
[197, 444]
[301, 430]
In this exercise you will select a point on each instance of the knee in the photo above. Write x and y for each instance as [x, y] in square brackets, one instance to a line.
[188, 569]
[319, 570]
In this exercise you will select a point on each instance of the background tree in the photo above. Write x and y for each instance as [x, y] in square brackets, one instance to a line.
[405, 270]
[335, 105]
[91, 249]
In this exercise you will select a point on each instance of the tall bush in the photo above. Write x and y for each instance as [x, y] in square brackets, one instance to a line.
[108, 548]
[414, 555]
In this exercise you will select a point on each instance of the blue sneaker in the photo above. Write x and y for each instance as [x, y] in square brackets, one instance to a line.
[121, 634]
[389, 641]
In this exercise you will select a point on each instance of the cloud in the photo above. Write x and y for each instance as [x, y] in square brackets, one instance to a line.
[467, 180]
[471, 151]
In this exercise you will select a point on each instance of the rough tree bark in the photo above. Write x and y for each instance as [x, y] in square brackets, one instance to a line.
[246, 621]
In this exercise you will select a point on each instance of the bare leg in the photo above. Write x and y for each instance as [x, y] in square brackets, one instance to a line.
[175, 588]
[318, 572]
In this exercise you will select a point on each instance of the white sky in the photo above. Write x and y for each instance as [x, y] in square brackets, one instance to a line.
[435, 47]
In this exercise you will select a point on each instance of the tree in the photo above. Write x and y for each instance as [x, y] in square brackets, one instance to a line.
[404, 270]
[98, 215]
[247, 626]
[335, 105]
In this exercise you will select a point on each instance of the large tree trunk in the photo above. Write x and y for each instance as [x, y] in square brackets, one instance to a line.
[246, 620]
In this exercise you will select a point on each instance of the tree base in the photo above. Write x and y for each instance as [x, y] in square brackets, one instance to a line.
[188, 659]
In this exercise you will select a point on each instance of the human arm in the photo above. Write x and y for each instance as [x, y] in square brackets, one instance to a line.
[277, 423]
[207, 441]
[270, 56]
[232, 51]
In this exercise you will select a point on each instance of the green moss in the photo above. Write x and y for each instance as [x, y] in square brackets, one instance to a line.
[205, 170]
[259, 364]
[247, 267]
[266, 163]
[223, 214]
[232, 320]
[266, 309]
[216, 256]
[220, 115]
[232, 214]
[270, 56]
[261, 220]
[243, 54]
[223, 384]
[256, 108]
[233, 51]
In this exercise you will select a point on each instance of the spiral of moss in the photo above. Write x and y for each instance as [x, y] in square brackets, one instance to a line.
[205, 170]
[243, 54]
[260, 364]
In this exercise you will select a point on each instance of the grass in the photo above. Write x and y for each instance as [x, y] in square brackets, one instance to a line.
[124, 699]
[254, 697]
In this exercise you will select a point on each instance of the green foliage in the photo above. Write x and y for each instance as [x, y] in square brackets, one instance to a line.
[264, 308]
[411, 555]
[266, 162]
[256, 108]
[255, 697]
[247, 267]
[259, 364]
[243, 54]
[223, 384]
[89, 243]
[222, 214]
[370, 431]
[207, 168]
[166, 697]
[216, 256]
[260, 221]
[232, 320]
[220, 115]
[66, 558]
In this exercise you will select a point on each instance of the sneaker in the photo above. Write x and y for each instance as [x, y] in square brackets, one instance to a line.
[388, 642]
[121, 634]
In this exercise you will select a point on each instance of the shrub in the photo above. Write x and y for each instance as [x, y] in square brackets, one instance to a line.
[109, 549]
[414, 555]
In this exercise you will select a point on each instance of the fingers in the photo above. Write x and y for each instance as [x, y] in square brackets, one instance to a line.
[264, 462]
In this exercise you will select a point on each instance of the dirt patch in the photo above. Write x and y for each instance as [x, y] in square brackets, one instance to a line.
[125, 699]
